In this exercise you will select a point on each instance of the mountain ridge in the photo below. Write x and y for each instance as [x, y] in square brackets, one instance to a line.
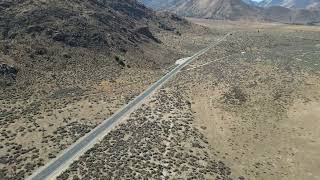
[218, 9]
[237, 10]
[292, 4]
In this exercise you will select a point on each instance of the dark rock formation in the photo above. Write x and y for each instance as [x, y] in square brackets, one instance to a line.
[146, 32]
[7, 75]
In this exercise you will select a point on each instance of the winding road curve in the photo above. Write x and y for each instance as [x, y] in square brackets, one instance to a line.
[56, 166]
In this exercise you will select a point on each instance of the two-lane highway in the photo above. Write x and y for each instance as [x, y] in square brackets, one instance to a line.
[63, 160]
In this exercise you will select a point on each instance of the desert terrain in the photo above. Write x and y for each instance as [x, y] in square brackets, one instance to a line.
[64, 69]
[261, 105]
[248, 109]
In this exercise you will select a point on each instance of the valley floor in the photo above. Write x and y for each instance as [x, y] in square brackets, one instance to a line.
[248, 109]
[259, 105]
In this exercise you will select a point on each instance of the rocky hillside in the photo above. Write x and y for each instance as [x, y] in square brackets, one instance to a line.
[53, 36]
[89, 24]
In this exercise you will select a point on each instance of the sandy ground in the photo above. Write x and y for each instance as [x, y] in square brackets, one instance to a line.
[271, 131]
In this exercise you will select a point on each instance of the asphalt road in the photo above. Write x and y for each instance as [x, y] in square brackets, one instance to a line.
[62, 161]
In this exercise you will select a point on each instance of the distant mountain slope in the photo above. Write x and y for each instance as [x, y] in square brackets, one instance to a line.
[286, 15]
[160, 4]
[238, 9]
[269, 3]
[296, 4]
[250, 2]
[218, 9]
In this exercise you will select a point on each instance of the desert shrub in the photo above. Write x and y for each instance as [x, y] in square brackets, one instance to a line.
[120, 61]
